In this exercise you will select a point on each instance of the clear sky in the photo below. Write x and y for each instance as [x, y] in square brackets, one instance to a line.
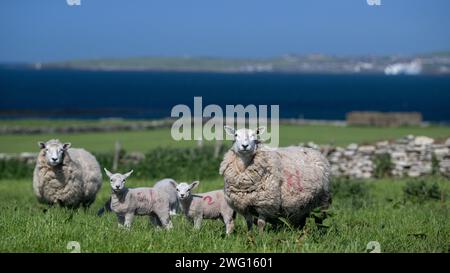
[49, 30]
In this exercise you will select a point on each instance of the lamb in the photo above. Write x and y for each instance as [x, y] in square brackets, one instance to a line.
[66, 176]
[208, 205]
[273, 183]
[127, 203]
[168, 186]
[165, 185]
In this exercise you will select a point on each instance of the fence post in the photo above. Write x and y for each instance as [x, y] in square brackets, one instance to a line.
[117, 149]
[217, 148]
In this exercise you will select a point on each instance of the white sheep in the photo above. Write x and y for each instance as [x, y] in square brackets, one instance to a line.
[273, 183]
[66, 176]
[208, 205]
[127, 203]
[168, 185]
[165, 185]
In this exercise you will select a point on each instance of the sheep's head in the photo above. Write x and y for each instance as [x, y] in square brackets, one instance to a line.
[245, 140]
[54, 151]
[184, 189]
[117, 180]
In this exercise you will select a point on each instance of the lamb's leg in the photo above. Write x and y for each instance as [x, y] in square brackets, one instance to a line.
[261, 224]
[249, 221]
[198, 222]
[154, 220]
[128, 219]
[173, 209]
[121, 220]
[106, 207]
[164, 218]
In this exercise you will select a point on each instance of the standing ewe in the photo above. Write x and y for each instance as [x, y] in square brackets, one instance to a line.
[168, 185]
[127, 203]
[208, 205]
[68, 177]
[271, 183]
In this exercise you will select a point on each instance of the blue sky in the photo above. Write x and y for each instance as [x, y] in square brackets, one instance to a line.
[50, 30]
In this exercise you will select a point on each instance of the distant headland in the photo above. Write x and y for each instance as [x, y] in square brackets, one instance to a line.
[431, 64]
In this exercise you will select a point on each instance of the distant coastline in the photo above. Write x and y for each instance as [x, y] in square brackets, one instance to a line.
[429, 64]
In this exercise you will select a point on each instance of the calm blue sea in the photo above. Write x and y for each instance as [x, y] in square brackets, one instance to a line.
[100, 94]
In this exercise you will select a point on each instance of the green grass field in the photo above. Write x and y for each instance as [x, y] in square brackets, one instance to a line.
[146, 140]
[376, 210]
[367, 211]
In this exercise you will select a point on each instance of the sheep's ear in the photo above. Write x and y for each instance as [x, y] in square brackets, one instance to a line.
[194, 185]
[128, 174]
[41, 145]
[67, 145]
[230, 130]
[108, 173]
[173, 183]
[260, 130]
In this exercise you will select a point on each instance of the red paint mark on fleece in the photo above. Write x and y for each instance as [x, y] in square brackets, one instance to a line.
[294, 180]
[209, 198]
[140, 197]
[151, 194]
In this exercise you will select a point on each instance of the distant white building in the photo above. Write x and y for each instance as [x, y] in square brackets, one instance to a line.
[412, 68]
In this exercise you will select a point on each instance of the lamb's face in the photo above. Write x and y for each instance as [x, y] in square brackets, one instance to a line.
[117, 180]
[184, 189]
[54, 151]
[245, 140]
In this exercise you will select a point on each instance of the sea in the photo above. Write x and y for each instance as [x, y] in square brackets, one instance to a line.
[84, 94]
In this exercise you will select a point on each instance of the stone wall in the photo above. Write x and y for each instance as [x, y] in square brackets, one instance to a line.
[393, 119]
[410, 156]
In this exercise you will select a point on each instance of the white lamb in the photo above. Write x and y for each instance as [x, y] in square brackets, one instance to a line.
[127, 203]
[271, 183]
[165, 185]
[66, 176]
[208, 205]
[168, 185]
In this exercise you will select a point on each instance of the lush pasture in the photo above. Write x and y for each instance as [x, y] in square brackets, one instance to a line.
[402, 215]
[149, 139]
[361, 212]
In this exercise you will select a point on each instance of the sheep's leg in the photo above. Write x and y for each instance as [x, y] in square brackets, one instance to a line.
[154, 220]
[164, 218]
[128, 219]
[261, 224]
[106, 208]
[198, 222]
[173, 210]
[229, 224]
[121, 220]
[249, 221]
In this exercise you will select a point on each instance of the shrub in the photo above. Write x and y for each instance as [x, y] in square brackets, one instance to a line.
[419, 191]
[354, 193]
[15, 168]
[434, 165]
[383, 165]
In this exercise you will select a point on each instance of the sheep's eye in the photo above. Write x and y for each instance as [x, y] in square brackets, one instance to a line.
[235, 135]
[178, 190]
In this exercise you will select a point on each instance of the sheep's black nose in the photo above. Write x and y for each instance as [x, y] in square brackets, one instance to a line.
[54, 158]
[244, 146]
[117, 187]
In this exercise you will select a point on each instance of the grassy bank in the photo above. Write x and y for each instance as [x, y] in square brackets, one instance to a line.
[361, 212]
[146, 140]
